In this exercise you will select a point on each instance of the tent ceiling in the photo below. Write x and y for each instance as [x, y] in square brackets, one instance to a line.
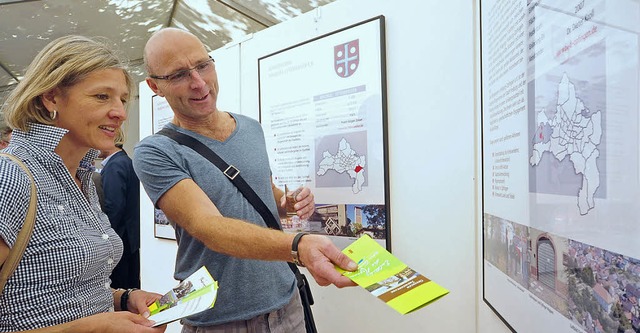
[28, 25]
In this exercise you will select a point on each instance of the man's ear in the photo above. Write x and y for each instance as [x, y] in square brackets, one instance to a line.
[48, 99]
[152, 84]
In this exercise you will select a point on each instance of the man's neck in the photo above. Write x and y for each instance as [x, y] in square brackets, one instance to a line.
[218, 125]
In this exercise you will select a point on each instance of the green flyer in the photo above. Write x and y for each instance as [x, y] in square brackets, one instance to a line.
[388, 278]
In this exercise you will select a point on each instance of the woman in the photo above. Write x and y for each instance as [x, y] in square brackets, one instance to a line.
[69, 104]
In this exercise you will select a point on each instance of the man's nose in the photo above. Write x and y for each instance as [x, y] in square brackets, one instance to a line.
[196, 78]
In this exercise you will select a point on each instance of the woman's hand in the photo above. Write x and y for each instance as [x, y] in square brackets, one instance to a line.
[139, 301]
[123, 321]
[108, 322]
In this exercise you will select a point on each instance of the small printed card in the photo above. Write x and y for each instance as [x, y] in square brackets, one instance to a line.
[389, 279]
[195, 294]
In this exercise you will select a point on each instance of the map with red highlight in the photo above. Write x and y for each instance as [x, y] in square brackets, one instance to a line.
[575, 132]
[346, 160]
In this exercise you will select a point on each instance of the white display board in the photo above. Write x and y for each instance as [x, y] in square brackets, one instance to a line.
[561, 185]
[323, 111]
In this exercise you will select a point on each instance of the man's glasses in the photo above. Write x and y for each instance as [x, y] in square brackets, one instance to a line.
[181, 76]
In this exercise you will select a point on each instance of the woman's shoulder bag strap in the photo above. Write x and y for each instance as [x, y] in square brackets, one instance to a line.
[16, 252]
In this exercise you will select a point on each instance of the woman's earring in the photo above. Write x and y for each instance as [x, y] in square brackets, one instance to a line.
[53, 114]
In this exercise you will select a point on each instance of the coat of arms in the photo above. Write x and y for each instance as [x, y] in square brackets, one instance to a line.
[346, 58]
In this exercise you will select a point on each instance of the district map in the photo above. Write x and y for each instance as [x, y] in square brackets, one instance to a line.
[573, 131]
[346, 160]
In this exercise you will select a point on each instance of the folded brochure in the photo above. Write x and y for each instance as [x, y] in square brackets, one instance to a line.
[389, 279]
[194, 294]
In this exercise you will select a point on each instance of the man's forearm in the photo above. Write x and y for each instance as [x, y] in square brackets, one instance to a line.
[242, 239]
[189, 207]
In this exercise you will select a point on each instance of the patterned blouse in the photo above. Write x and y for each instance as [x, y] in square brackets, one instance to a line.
[64, 273]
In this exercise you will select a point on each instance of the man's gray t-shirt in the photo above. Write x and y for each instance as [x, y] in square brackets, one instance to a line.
[247, 288]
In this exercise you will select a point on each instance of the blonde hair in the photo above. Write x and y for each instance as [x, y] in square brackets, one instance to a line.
[120, 137]
[61, 64]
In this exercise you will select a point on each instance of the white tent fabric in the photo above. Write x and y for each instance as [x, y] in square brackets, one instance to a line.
[28, 25]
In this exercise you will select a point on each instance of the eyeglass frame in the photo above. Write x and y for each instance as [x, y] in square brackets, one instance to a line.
[186, 70]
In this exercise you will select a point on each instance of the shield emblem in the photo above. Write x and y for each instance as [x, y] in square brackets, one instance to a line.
[346, 58]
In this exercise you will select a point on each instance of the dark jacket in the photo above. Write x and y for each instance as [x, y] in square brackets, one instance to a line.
[121, 190]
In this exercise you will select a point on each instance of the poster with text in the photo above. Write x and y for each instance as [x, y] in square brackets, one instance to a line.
[323, 111]
[161, 114]
[561, 173]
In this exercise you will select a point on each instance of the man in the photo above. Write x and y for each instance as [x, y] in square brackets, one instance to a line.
[121, 202]
[215, 225]
[5, 136]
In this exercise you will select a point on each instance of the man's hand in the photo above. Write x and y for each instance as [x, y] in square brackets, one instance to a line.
[317, 252]
[305, 204]
[320, 256]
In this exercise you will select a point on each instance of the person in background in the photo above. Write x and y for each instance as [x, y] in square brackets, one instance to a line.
[97, 181]
[121, 196]
[69, 104]
[215, 225]
[5, 136]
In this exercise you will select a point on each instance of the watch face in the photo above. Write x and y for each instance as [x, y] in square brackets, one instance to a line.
[296, 260]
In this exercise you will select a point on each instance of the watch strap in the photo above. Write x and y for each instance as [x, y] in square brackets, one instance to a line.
[124, 299]
[294, 248]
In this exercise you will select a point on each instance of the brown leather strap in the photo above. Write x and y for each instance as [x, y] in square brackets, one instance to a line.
[16, 252]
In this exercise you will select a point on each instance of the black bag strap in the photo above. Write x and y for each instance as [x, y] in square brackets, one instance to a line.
[232, 173]
[234, 176]
[228, 170]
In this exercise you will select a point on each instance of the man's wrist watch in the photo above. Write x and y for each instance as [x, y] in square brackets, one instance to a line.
[294, 248]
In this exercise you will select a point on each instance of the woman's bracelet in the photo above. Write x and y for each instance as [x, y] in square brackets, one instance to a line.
[125, 298]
